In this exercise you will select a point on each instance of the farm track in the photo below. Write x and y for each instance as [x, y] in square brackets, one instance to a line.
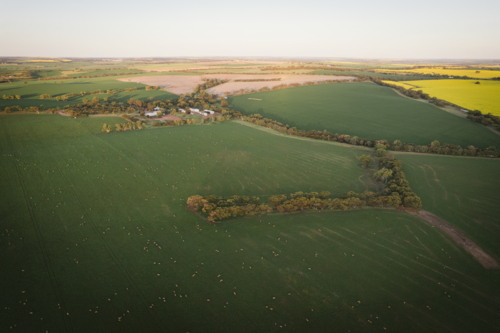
[36, 226]
[460, 238]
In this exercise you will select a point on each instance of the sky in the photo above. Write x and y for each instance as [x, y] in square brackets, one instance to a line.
[439, 29]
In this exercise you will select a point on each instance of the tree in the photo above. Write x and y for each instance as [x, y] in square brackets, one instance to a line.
[366, 160]
[159, 113]
[223, 102]
[435, 144]
[383, 174]
[25, 82]
[380, 152]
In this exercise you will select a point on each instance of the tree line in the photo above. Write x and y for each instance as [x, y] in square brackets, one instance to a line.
[55, 78]
[11, 96]
[397, 193]
[484, 119]
[123, 127]
[209, 83]
[257, 80]
[381, 146]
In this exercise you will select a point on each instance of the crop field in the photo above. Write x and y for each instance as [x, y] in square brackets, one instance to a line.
[468, 202]
[365, 110]
[347, 64]
[484, 97]
[30, 92]
[473, 73]
[374, 74]
[97, 237]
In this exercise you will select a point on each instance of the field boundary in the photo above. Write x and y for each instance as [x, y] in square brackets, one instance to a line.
[274, 132]
[463, 241]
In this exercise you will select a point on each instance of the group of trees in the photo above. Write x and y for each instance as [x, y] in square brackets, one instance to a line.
[96, 106]
[129, 126]
[391, 173]
[45, 96]
[397, 193]
[124, 127]
[152, 87]
[178, 122]
[484, 119]
[11, 96]
[209, 83]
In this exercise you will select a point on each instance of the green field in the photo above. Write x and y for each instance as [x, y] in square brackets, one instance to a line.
[462, 191]
[367, 111]
[96, 237]
[30, 93]
[374, 74]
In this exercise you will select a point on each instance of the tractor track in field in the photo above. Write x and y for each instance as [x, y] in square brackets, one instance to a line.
[460, 238]
[95, 229]
[45, 253]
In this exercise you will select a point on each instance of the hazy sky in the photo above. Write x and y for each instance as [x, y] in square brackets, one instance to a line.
[358, 28]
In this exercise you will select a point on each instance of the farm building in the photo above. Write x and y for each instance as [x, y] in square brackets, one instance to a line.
[158, 109]
[150, 114]
[209, 111]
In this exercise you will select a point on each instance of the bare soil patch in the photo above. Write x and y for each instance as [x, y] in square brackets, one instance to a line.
[484, 259]
[176, 84]
[181, 84]
[233, 86]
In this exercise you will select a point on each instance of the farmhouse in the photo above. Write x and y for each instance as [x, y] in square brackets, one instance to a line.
[150, 114]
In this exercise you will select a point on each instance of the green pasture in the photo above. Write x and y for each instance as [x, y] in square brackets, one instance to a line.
[30, 92]
[365, 110]
[460, 190]
[374, 74]
[95, 237]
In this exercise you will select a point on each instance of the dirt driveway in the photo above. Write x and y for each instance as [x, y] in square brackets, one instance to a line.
[463, 241]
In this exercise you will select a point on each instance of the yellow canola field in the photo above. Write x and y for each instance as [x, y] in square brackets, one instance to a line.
[483, 74]
[484, 97]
